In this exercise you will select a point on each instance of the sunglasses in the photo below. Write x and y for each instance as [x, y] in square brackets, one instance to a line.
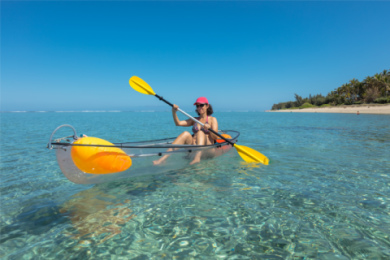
[200, 105]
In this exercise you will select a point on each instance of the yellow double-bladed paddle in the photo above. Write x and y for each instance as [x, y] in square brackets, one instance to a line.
[246, 153]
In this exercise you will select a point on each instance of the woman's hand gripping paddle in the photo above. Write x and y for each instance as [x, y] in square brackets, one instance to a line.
[246, 153]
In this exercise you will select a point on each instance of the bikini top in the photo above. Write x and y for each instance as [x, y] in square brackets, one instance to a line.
[195, 128]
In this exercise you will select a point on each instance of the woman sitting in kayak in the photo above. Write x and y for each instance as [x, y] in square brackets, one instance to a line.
[202, 135]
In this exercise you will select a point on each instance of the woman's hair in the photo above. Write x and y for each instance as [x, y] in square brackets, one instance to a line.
[210, 110]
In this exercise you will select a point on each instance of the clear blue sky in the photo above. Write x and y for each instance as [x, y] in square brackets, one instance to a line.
[241, 55]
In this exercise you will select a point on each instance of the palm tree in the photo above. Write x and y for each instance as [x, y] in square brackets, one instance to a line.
[345, 91]
[355, 85]
[367, 84]
[386, 82]
[298, 100]
[380, 84]
[372, 94]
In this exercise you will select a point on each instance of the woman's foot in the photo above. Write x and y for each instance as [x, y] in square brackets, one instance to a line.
[161, 160]
[196, 159]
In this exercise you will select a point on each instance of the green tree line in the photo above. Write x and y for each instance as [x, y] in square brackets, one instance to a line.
[373, 89]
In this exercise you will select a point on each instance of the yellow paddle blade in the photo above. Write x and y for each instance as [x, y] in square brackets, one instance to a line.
[141, 86]
[250, 155]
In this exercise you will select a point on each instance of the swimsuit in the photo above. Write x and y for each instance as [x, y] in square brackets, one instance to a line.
[195, 127]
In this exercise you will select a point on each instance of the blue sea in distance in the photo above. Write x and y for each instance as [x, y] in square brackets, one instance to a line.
[325, 194]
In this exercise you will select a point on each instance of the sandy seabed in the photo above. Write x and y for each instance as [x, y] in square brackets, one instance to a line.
[361, 109]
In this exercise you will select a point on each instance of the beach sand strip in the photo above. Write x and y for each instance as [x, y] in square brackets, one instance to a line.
[361, 109]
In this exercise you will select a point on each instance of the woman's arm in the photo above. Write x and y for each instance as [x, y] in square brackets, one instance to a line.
[178, 122]
[214, 127]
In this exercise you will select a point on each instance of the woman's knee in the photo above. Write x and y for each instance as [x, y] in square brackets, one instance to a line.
[186, 134]
[185, 138]
[200, 138]
[200, 134]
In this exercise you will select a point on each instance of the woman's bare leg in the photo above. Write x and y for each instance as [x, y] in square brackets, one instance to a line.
[183, 138]
[200, 140]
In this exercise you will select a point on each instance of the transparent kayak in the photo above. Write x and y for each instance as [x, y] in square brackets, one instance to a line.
[142, 155]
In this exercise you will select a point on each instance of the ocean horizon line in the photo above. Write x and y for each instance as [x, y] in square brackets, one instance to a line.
[120, 111]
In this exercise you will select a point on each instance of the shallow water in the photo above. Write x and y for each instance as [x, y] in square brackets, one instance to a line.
[325, 194]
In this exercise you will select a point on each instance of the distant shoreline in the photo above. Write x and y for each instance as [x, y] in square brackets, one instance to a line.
[352, 109]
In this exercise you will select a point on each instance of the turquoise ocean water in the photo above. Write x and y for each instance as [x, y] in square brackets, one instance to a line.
[325, 194]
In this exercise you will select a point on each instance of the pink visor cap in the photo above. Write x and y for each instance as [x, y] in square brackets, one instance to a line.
[201, 100]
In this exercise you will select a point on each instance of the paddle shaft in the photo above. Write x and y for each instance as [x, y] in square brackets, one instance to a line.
[197, 121]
